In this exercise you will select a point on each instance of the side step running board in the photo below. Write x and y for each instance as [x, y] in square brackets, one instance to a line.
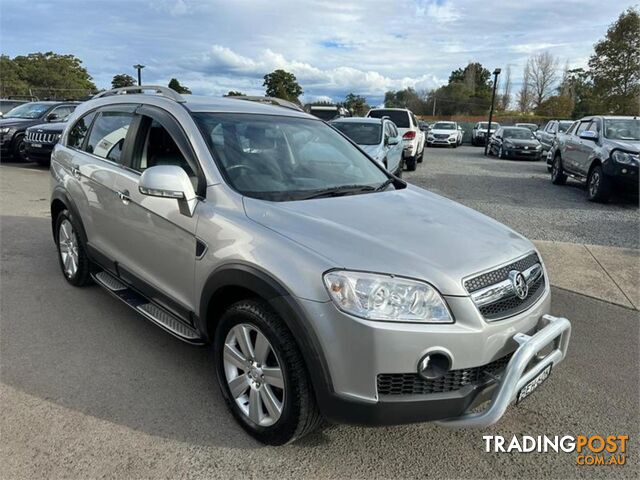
[147, 308]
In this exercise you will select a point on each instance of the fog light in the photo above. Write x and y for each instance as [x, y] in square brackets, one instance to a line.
[624, 170]
[434, 365]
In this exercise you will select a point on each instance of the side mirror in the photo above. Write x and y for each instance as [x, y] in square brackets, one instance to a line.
[52, 117]
[589, 135]
[169, 181]
[392, 140]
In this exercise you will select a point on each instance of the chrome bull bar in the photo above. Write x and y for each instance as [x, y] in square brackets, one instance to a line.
[554, 330]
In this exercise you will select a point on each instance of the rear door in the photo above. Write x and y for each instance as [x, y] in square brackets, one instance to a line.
[157, 243]
[394, 152]
[98, 140]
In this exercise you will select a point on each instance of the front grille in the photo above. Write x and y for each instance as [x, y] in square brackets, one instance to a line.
[497, 276]
[510, 306]
[414, 384]
[41, 137]
[440, 136]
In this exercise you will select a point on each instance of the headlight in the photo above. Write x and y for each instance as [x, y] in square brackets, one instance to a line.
[625, 158]
[5, 129]
[430, 137]
[453, 135]
[384, 297]
[538, 147]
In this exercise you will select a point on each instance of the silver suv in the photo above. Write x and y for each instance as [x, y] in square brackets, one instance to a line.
[325, 286]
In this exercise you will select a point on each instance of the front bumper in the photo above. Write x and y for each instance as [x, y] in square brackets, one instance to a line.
[356, 352]
[623, 175]
[442, 141]
[523, 154]
[39, 153]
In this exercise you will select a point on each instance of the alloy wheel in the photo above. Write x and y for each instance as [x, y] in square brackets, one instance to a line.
[68, 244]
[594, 183]
[254, 374]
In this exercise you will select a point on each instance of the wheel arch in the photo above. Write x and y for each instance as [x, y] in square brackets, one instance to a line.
[60, 201]
[234, 282]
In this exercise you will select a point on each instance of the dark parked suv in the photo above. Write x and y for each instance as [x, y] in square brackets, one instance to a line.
[15, 123]
[40, 140]
[604, 151]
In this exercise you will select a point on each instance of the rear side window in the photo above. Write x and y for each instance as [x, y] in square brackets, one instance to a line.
[399, 117]
[79, 131]
[108, 133]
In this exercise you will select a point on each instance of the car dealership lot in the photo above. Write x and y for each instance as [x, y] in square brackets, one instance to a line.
[90, 389]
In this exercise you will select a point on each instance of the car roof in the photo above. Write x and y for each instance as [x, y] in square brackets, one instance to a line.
[396, 109]
[609, 117]
[197, 103]
[358, 120]
[510, 127]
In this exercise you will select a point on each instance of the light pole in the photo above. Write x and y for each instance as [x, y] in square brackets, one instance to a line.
[496, 72]
[139, 68]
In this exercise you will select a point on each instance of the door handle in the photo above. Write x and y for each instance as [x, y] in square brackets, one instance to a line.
[75, 170]
[124, 196]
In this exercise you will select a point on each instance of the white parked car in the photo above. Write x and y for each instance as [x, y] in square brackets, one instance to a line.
[413, 138]
[378, 137]
[445, 133]
[479, 134]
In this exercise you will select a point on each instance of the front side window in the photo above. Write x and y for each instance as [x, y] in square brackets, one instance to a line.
[79, 131]
[108, 133]
[160, 149]
[622, 129]
[361, 133]
[30, 111]
[283, 158]
[583, 126]
[564, 126]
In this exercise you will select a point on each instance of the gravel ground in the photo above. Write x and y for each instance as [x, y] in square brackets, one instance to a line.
[521, 195]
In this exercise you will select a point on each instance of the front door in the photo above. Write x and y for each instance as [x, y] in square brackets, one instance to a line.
[157, 241]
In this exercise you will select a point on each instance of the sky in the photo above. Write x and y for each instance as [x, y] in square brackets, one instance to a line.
[333, 47]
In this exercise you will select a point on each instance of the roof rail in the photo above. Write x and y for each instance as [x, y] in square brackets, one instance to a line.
[158, 89]
[270, 100]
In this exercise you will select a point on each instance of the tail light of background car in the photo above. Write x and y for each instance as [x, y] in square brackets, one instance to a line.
[410, 135]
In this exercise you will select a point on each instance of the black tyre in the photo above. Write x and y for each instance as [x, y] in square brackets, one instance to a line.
[20, 149]
[598, 185]
[558, 177]
[410, 163]
[262, 374]
[72, 254]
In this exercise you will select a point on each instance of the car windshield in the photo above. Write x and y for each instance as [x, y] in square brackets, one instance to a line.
[360, 132]
[485, 125]
[399, 117]
[622, 128]
[282, 158]
[519, 133]
[444, 126]
[28, 111]
[564, 126]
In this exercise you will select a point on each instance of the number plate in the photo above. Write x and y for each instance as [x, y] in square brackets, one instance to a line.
[36, 145]
[533, 384]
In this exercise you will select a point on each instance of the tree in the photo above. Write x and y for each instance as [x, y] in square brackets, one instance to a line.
[524, 95]
[541, 76]
[557, 106]
[282, 84]
[356, 104]
[174, 84]
[475, 77]
[505, 97]
[235, 93]
[468, 92]
[615, 65]
[122, 80]
[45, 75]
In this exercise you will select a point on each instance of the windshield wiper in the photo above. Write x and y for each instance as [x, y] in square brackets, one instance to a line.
[385, 184]
[339, 191]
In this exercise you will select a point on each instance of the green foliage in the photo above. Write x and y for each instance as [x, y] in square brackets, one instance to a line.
[578, 85]
[235, 93]
[174, 84]
[407, 98]
[122, 80]
[282, 84]
[45, 75]
[557, 106]
[356, 104]
[615, 65]
[468, 92]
